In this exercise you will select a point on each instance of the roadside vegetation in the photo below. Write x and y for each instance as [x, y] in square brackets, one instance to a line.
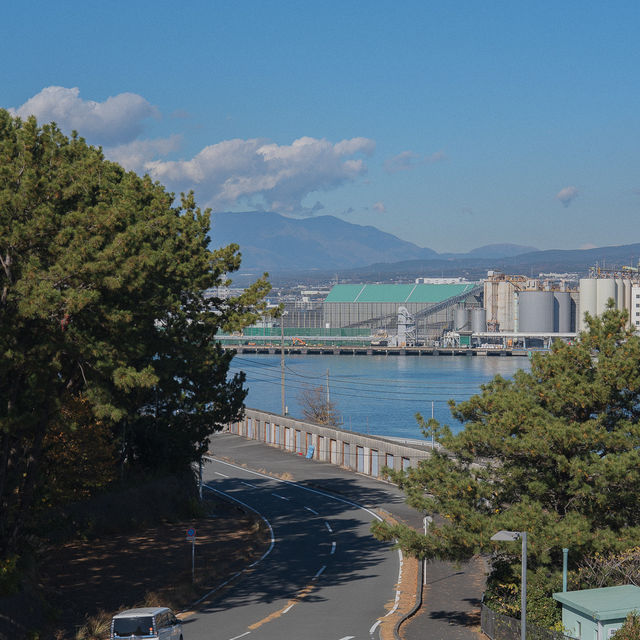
[111, 379]
[317, 408]
[554, 452]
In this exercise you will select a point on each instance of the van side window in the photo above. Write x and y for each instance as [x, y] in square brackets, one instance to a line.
[161, 621]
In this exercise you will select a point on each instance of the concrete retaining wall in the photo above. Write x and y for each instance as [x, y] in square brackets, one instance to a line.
[363, 453]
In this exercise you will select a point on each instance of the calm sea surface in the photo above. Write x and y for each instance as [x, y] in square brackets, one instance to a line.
[374, 394]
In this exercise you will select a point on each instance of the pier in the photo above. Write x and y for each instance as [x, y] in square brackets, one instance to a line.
[352, 350]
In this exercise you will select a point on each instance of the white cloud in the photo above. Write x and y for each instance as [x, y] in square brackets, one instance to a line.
[262, 173]
[567, 195]
[119, 119]
[408, 160]
[379, 207]
[137, 154]
[254, 172]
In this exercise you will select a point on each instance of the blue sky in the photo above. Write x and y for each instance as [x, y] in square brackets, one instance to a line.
[452, 125]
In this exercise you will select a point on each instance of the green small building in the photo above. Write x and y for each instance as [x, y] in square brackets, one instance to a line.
[596, 614]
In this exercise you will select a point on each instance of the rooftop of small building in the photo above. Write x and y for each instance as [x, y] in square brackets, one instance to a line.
[605, 603]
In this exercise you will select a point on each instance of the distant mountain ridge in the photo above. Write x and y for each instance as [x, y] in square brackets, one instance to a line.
[274, 243]
[320, 248]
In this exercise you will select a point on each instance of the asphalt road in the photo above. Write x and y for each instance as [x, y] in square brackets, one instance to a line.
[325, 576]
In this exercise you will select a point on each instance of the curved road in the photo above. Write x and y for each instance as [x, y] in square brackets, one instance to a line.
[325, 576]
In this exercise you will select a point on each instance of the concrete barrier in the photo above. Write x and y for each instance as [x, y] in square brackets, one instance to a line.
[362, 453]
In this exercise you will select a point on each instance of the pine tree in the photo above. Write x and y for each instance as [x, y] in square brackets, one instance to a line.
[102, 281]
[555, 452]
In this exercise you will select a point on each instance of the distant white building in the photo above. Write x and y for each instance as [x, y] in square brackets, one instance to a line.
[457, 280]
[634, 311]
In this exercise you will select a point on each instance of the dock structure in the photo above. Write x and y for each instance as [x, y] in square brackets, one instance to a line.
[348, 350]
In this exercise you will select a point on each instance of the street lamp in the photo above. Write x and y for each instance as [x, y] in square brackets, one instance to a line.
[510, 536]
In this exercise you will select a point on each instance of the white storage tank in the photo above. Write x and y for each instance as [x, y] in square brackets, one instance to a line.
[562, 311]
[462, 318]
[619, 294]
[627, 296]
[606, 288]
[478, 320]
[588, 300]
[535, 311]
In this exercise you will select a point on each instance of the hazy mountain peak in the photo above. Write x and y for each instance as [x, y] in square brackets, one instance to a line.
[504, 250]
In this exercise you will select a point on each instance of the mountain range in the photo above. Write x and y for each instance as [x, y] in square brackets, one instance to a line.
[272, 242]
[321, 247]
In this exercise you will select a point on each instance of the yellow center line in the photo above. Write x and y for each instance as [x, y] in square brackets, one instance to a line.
[303, 593]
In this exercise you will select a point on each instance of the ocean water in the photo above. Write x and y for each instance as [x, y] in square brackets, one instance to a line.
[378, 395]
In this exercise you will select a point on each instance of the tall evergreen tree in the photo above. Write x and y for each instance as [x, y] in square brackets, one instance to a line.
[555, 452]
[102, 280]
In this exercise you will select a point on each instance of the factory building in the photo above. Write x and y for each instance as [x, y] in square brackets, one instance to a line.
[377, 306]
[518, 304]
[635, 307]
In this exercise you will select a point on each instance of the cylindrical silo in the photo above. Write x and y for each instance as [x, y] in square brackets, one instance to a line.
[562, 311]
[627, 295]
[462, 318]
[619, 294]
[535, 311]
[588, 300]
[478, 320]
[605, 289]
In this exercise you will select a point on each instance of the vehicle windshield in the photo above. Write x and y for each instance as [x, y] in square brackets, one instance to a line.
[126, 627]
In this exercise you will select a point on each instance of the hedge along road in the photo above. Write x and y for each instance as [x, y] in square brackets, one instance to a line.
[324, 577]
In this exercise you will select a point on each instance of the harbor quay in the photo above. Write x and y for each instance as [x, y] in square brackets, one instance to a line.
[346, 350]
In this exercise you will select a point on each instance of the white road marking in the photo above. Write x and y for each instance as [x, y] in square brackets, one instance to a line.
[312, 511]
[220, 474]
[345, 638]
[242, 635]
[320, 572]
[397, 601]
[373, 628]
[253, 564]
[333, 547]
[287, 609]
[317, 492]
[326, 524]
[281, 497]
[248, 484]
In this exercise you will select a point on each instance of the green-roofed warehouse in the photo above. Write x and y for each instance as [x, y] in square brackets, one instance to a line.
[376, 305]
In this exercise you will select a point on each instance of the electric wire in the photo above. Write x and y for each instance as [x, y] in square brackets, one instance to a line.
[370, 394]
[375, 382]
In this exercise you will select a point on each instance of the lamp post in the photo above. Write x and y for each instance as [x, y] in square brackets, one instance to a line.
[510, 536]
[426, 521]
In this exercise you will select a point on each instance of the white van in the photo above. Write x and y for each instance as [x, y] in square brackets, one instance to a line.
[150, 623]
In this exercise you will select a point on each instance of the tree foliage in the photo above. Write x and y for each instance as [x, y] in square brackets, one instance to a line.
[102, 306]
[630, 630]
[554, 452]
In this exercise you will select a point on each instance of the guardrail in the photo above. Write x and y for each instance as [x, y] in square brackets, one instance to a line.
[363, 453]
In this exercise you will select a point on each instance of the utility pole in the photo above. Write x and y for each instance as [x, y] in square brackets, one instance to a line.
[282, 361]
[328, 399]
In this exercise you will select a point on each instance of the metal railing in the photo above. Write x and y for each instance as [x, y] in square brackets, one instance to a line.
[499, 626]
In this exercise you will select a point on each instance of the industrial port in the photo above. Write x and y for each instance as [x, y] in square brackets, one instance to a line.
[503, 314]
